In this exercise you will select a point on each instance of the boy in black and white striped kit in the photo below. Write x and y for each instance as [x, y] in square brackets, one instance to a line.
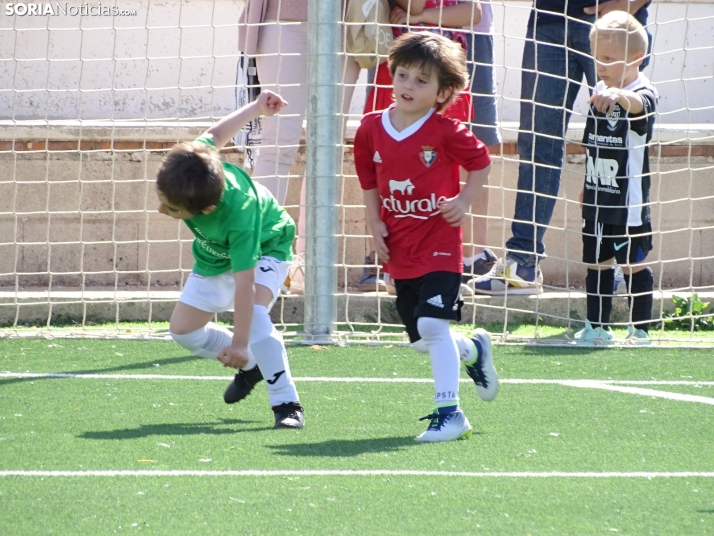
[615, 197]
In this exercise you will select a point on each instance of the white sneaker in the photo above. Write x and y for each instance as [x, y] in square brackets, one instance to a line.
[481, 369]
[447, 427]
[589, 336]
[296, 275]
[637, 337]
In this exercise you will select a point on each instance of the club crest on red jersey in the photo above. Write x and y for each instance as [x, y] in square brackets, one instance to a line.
[428, 155]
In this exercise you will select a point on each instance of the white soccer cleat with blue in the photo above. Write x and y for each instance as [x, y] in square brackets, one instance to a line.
[637, 337]
[589, 336]
[481, 369]
[445, 427]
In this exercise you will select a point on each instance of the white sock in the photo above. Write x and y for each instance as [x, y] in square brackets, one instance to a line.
[444, 359]
[208, 341]
[266, 344]
[467, 350]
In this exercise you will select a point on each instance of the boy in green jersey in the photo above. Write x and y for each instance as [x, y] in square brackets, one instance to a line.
[242, 251]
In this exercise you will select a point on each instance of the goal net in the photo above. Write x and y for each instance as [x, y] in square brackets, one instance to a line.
[90, 101]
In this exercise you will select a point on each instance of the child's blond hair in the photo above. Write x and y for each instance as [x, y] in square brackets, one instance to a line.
[432, 51]
[622, 29]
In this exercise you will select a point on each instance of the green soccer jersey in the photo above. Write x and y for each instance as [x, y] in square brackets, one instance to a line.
[246, 224]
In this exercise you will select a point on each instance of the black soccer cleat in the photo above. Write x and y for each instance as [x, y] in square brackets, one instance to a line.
[242, 385]
[289, 415]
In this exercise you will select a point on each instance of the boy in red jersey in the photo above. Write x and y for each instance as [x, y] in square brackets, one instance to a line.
[407, 160]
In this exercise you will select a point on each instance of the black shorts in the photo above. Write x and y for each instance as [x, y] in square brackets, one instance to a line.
[628, 245]
[434, 295]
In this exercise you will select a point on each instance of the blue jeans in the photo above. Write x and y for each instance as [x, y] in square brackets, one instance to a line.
[483, 88]
[551, 79]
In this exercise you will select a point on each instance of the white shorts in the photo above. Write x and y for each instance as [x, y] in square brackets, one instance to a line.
[216, 294]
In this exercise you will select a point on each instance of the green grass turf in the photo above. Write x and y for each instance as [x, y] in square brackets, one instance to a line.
[131, 424]
[518, 332]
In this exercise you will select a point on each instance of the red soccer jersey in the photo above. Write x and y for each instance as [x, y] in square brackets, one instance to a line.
[415, 170]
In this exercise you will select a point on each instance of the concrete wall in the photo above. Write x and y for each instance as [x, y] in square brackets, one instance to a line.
[119, 238]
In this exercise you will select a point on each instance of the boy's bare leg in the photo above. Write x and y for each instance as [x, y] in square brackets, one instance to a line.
[186, 319]
[192, 328]
[247, 378]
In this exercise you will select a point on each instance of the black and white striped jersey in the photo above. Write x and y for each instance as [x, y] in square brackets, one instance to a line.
[617, 177]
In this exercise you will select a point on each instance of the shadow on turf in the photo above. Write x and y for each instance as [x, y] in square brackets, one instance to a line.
[133, 366]
[345, 448]
[175, 429]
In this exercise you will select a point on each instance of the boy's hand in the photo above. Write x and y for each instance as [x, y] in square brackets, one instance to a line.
[269, 103]
[379, 233]
[582, 196]
[454, 211]
[605, 100]
[234, 356]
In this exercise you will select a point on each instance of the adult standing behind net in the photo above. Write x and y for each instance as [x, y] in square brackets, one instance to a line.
[276, 35]
[556, 56]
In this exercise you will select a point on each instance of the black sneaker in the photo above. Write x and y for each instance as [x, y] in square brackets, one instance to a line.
[242, 385]
[289, 415]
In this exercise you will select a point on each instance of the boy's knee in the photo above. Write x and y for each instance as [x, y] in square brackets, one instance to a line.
[420, 346]
[642, 281]
[192, 341]
[432, 328]
[176, 328]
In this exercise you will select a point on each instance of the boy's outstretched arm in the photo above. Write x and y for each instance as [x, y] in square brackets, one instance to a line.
[455, 209]
[236, 355]
[267, 103]
[605, 100]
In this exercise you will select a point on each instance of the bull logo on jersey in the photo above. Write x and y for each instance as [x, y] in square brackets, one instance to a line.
[428, 155]
[420, 209]
[404, 187]
[613, 117]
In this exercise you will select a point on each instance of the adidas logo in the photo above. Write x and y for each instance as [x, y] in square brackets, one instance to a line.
[376, 157]
[436, 301]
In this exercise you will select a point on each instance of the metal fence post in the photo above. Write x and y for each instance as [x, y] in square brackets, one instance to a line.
[322, 169]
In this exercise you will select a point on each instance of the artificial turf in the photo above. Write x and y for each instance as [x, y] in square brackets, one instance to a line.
[117, 421]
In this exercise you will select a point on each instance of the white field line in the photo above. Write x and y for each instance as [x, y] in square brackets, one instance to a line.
[368, 472]
[329, 379]
[640, 391]
[609, 385]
